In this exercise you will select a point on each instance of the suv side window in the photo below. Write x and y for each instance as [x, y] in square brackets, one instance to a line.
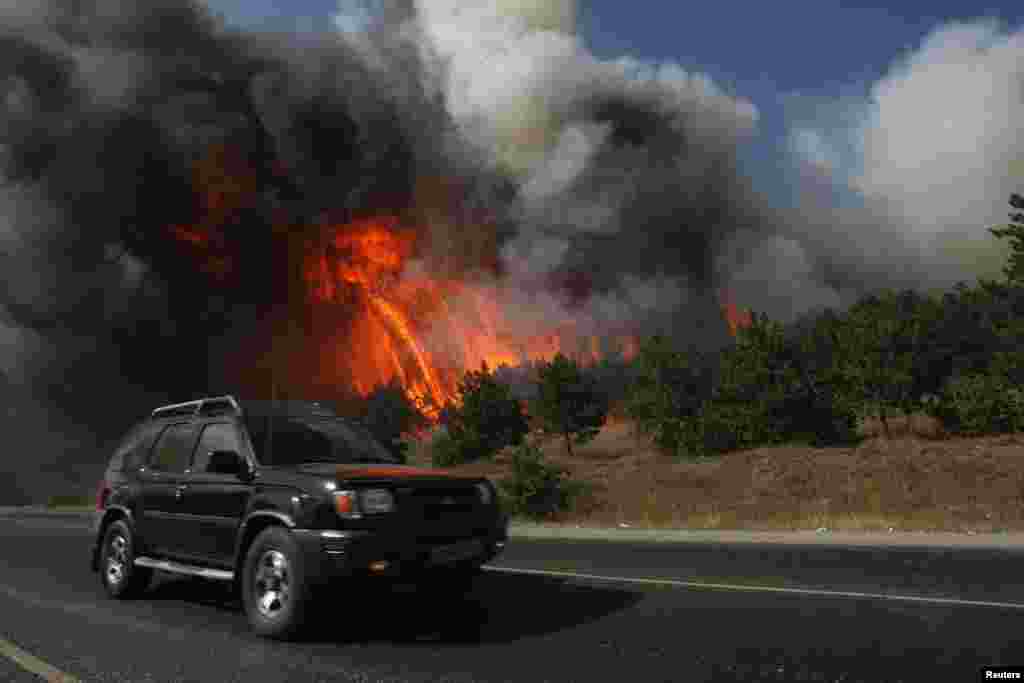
[219, 436]
[173, 449]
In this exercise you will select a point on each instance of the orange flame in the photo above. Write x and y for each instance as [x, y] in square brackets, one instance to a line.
[422, 330]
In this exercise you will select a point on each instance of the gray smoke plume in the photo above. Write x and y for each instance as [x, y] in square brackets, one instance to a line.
[626, 172]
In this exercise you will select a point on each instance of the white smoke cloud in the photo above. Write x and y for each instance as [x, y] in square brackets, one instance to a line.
[576, 146]
[939, 135]
[515, 68]
[499, 65]
[946, 125]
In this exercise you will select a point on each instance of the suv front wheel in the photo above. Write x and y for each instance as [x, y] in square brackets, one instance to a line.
[121, 578]
[276, 592]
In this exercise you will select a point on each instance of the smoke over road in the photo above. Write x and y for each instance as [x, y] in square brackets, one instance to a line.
[178, 196]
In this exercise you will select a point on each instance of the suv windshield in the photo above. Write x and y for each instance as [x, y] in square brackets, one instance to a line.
[315, 439]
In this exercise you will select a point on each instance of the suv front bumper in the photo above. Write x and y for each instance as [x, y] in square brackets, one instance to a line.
[331, 554]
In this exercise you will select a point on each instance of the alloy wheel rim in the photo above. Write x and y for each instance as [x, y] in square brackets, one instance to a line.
[273, 584]
[117, 559]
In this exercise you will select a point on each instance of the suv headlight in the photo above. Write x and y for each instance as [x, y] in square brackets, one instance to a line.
[355, 504]
[376, 501]
[485, 493]
[346, 504]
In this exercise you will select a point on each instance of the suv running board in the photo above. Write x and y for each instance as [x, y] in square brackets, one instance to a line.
[179, 568]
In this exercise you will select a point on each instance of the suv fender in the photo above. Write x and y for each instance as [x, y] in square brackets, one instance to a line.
[251, 526]
[110, 513]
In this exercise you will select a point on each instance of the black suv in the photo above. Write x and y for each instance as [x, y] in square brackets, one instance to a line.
[281, 499]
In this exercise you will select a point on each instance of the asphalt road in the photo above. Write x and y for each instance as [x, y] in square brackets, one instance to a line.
[533, 628]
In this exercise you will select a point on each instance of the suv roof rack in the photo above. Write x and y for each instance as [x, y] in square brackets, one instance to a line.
[217, 405]
[288, 407]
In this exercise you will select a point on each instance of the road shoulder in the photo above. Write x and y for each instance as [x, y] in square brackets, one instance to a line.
[628, 534]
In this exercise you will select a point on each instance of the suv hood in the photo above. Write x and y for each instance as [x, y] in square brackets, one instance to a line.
[349, 472]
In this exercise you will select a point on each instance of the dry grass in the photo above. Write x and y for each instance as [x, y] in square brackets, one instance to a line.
[915, 480]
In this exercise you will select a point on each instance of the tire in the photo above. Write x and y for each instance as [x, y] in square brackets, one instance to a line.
[276, 590]
[120, 577]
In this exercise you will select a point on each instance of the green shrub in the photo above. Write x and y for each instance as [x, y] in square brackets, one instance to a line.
[537, 489]
[568, 402]
[835, 424]
[1014, 231]
[445, 451]
[731, 426]
[487, 418]
[979, 403]
[670, 389]
[816, 413]
[388, 413]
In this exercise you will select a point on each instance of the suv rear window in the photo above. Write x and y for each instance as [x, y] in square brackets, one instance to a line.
[133, 448]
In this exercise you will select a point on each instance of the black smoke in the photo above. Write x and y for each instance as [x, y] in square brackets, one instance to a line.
[105, 111]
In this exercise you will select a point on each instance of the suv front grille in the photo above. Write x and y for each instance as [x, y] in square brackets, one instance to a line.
[445, 540]
[436, 501]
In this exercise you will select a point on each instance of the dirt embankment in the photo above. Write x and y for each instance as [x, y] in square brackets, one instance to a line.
[916, 479]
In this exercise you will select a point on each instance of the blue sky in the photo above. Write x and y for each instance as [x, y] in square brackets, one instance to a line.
[787, 46]
[760, 48]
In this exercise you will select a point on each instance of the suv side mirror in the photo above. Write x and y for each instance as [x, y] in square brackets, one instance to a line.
[227, 462]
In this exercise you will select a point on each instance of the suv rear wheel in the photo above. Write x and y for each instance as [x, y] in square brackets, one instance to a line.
[121, 578]
[276, 592]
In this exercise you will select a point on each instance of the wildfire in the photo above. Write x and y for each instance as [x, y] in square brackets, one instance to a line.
[389, 318]
[424, 331]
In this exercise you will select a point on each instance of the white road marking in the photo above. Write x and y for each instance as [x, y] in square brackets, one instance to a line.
[956, 602]
[33, 664]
